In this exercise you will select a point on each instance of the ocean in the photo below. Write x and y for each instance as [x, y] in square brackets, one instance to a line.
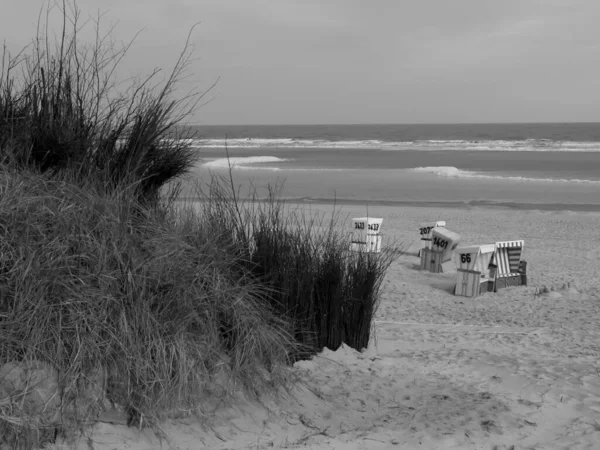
[538, 166]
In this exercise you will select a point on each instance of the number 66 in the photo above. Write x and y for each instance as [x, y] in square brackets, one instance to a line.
[465, 258]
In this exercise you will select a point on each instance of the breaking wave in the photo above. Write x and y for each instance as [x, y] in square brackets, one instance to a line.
[242, 162]
[535, 145]
[258, 163]
[453, 172]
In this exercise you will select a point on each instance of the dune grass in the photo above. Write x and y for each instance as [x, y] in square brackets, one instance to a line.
[62, 108]
[125, 297]
[88, 285]
[328, 294]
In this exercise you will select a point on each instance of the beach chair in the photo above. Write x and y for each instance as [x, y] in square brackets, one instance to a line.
[507, 266]
[425, 231]
[366, 234]
[443, 243]
[472, 270]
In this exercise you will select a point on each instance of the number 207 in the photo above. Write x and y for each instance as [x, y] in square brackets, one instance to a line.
[425, 230]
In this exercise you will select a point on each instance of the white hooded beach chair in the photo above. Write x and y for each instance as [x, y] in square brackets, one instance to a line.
[509, 269]
[472, 270]
[443, 243]
[366, 234]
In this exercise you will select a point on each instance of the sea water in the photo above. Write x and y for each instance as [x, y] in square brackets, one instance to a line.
[548, 166]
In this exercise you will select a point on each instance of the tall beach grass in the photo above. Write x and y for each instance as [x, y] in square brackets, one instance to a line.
[152, 304]
[62, 108]
[326, 292]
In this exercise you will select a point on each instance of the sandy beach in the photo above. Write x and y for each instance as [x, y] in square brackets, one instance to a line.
[126, 323]
[506, 370]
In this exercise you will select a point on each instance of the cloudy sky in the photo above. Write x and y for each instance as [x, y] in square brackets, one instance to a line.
[359, 61]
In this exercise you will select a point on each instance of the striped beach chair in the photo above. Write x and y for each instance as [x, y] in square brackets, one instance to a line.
[509, 269]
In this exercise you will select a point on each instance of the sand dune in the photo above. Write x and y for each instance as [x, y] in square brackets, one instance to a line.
[507, 370]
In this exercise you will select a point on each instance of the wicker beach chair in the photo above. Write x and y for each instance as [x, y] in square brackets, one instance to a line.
[443, 244]
[509, 269]
[472, 270]
[366, 234]
[425, 231]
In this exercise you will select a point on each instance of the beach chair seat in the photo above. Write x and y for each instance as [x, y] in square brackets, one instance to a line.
[509, 269]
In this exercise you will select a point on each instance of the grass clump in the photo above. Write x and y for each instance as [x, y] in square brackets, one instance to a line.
[152, 304]
[328, 294]
[62, 108]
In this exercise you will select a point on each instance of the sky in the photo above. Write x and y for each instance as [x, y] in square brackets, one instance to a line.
[359, 61]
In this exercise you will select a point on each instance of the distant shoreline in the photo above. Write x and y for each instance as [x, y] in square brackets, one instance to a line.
[457, 205]
[367, 124]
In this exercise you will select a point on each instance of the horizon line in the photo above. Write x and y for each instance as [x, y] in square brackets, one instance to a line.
[383, 123]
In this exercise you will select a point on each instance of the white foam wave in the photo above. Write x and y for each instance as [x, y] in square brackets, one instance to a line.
[538, 145]
[449, 171]
[255, 163]
[445, 171]
[242, 162]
